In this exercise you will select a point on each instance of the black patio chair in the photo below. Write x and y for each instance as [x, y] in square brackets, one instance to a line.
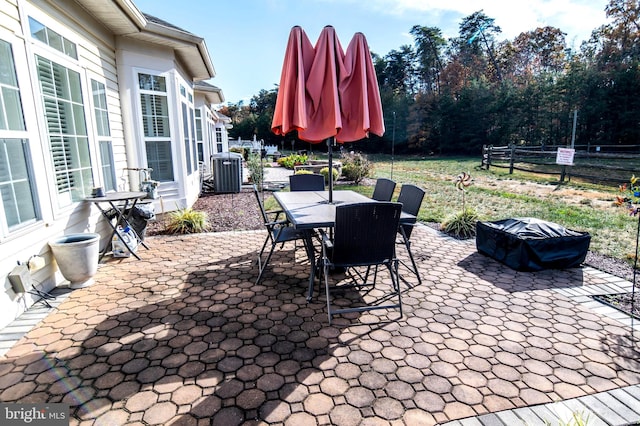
[306, 182]
[364, 236]
[411, 199]
[383, 190]
[278, 232]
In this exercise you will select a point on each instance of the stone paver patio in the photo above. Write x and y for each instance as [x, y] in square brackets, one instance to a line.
[184, 336]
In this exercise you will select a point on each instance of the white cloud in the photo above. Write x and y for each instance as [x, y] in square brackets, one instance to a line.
[577, 18]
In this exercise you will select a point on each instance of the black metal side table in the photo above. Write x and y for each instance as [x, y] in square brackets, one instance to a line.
[122, 215]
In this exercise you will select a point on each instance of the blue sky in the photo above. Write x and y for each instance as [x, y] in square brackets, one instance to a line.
[247, 38]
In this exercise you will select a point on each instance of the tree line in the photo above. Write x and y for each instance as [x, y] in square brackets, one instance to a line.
[452, 96]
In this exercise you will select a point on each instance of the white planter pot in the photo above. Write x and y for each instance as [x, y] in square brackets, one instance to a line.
[77, 257]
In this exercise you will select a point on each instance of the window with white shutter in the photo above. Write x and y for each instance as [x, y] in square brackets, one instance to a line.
[155, 123]
[67, 130]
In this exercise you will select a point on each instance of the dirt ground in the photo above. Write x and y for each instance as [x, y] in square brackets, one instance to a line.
[598, 199]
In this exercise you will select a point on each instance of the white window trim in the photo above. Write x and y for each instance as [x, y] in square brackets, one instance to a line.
[36, 47]
[45, 19]
[21, 63]
[98, 178]
[137, 115]
[188, 100]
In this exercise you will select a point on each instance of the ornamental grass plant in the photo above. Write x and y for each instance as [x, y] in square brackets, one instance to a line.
[187, 221]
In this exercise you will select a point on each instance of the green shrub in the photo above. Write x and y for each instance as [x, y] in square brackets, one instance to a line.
[256, 172]
[325, 172]
[355, 166]
[290, 161]
[187, 221]
[462, 225]
[303, 172]
[240, 150]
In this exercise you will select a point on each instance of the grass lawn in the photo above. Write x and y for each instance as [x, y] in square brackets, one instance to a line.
[497, 195]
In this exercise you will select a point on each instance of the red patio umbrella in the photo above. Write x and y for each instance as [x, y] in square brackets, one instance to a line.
[361, 106]
[323, 80]
[290, 112]
[342, 99]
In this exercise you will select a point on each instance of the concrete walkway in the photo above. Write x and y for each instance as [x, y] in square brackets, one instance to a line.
[184, 336]
[616, 407]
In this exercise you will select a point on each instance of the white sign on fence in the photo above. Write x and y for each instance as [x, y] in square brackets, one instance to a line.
[565, 156]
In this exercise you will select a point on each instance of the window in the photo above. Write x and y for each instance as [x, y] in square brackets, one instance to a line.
[67, 130]
[17, 194]
[188, 129]
[52, 38]
[199, 139]
[15, 183]
[100, 108]
[194, 153]
[155, 123]
[10, 103]
[219, 138]
[103, 130]
[107, 166]
[185, 130]
[210, 128]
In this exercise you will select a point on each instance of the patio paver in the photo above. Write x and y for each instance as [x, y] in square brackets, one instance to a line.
[185, 335]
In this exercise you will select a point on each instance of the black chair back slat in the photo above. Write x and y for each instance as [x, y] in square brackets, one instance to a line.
[365, 233]
[411, 199]
[306, 182]
[383, 190]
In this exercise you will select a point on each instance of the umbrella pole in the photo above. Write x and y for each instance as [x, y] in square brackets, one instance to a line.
[329, 145]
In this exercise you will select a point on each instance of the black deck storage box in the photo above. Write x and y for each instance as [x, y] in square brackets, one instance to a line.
[529, 244]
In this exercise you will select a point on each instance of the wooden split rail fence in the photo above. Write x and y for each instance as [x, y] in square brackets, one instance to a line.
[607, 168]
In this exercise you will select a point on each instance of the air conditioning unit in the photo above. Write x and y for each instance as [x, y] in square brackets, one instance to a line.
[227, 172]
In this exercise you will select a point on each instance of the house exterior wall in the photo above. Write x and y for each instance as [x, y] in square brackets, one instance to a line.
[95, 61]
[135, 58]
[107, 94]
[215, 137]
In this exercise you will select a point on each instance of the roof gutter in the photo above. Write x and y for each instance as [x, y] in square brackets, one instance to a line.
[123, 18]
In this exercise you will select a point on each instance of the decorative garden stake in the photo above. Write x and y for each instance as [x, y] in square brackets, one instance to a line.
[632, 203]
[462, 181]
[463, 224]
[636, 212]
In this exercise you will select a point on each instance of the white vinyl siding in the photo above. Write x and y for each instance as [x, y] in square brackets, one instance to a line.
[155, 123]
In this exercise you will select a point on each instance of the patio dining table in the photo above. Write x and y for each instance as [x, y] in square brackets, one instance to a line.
[310, 210]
